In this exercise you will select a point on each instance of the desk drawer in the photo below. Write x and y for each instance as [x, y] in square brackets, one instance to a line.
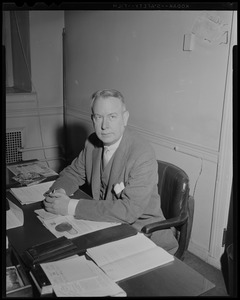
[17, 283]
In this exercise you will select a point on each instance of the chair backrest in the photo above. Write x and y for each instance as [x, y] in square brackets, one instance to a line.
[177, 205]
[173, 188]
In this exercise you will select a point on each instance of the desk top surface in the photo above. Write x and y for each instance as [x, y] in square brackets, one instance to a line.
[172, 279]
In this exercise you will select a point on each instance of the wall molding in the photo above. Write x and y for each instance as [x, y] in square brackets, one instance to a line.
[177, 145]
[25, 149]
[21, 97]
[33, 112]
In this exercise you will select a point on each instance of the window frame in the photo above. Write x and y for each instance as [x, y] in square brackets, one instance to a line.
[16, 39]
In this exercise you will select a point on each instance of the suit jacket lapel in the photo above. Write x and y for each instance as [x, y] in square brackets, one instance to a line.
[96, 163]
[118, 163]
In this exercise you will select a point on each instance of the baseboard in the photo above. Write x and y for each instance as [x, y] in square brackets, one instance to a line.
[198, 251]
[214, 262]
[204, 255]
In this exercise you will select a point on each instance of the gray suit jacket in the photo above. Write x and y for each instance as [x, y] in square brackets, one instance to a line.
[134, 164]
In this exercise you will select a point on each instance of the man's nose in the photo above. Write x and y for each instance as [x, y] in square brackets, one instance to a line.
[105, 122]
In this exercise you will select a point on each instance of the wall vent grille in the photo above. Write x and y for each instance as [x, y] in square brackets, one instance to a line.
[13, 143]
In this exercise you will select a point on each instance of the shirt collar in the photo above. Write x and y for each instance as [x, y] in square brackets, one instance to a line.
[114, 146]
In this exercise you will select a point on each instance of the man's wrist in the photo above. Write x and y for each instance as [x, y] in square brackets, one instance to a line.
[72, 206]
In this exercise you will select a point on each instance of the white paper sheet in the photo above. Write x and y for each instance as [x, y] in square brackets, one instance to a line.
[78, 276]
[31, 194]
[15, 217]
[70, 227]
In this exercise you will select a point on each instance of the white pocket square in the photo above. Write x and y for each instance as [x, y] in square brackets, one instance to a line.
[118, 188]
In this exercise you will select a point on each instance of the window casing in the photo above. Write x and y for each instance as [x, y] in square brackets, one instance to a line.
[17, 46]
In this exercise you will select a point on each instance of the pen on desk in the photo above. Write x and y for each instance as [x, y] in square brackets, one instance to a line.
[52, 192]
[49, 193]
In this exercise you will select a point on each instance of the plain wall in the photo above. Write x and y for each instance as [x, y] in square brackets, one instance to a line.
[168, 91]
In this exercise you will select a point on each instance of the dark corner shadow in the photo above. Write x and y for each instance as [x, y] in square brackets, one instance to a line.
[228, 259]
[224, 269]
[71, 139]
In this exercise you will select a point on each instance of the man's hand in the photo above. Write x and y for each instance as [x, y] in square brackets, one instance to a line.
[57, 202]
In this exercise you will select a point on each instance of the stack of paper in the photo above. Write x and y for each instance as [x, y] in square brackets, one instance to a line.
[130, 256]
[31, 194]
[77, 276]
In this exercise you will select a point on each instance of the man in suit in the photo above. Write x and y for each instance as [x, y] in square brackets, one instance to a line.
[123, 188]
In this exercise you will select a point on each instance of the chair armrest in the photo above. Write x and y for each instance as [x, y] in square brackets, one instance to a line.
[165, 224]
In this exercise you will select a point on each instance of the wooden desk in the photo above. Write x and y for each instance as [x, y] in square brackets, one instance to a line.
[173, 279]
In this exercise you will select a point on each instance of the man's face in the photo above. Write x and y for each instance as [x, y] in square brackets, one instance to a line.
[109, 119]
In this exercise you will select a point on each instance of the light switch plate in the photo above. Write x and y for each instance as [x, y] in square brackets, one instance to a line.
[188, 43]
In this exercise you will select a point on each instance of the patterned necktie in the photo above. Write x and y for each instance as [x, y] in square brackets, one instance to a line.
[106, 157]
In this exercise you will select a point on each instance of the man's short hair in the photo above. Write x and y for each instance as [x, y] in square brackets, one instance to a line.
[106, 94]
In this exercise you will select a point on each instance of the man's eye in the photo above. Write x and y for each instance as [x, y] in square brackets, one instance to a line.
[112, 117]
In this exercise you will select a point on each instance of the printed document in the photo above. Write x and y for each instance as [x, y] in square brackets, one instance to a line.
[15, 217]
[32, 193]
[69, 226]
[130, 256]
[77, 276]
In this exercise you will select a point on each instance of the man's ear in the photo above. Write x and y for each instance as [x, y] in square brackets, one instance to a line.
[93, 124]
[125, 117]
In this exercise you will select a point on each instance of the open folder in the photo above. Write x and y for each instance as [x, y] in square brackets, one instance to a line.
[128, 257]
